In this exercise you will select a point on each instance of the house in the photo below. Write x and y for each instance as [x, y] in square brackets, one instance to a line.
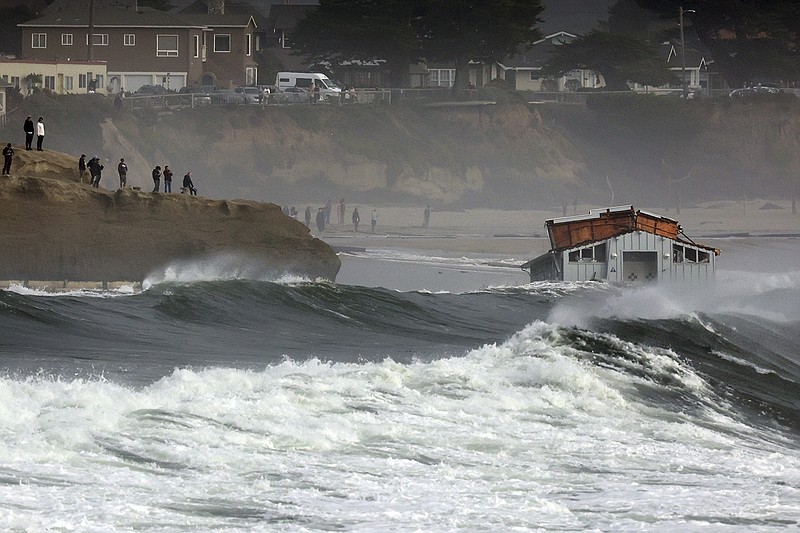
[144, 46]
[621, 245]
[61, 77]
[523, 70]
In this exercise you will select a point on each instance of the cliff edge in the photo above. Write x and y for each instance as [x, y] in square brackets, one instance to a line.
[52, 227]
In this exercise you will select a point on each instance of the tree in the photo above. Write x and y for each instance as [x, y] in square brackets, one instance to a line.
[365, 30]
[402, 32]
[750, 40]
[619, 59]
[461, 31]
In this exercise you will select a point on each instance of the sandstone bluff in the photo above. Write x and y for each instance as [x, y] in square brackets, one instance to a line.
[55, 228]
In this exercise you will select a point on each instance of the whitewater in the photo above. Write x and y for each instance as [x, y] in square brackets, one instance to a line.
[444, 396]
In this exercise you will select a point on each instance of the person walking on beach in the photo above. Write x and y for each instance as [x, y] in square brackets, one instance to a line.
[374, 219]
[122, 168]
[167, 179]
[327, 210]
[308, 216]
[29, 131]
[81, 167]
[8, 155]
[39, 134]
[156, 178]
[188, 185]
[320, 219]
[426, 217]
[356, 220]
[342, 211]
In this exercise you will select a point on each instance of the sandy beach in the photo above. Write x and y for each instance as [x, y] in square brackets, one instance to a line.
[522, 233]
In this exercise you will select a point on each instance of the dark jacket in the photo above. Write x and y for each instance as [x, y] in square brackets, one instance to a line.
[82, 164]
[28, 127]
[8, 151]
[187, 181]
[156, 174]
[167, 174]
[122, 168]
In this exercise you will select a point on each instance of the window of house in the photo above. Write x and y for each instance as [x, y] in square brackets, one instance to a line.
[222, 42]
[66, 39]
[81, 81]
[129, 39]
[38, 40]
[441, 77]
[98, 80]
[98, 39]
[196, 46]
[50, 82]
[534, 75]
[250, 76]
[596, 253]
[248, 44]
[166, 45]
[686, 254]
[15, 81]
[285, 40]
[68, 83]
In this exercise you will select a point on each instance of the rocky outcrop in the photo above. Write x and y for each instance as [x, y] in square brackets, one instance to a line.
[55, 228]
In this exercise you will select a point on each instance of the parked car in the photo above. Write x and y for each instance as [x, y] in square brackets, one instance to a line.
[195, 96]
[250, 95]
[226, 96]
[293, 95]
[150, 90]
[754, 90]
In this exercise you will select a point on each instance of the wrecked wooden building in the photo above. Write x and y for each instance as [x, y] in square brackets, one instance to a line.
[621, 245]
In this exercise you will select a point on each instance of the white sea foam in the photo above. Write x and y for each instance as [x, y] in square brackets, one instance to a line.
[522, 435]
[221, 267]
[123, 290]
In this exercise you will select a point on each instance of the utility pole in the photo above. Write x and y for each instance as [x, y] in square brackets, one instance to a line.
[89, 49]
[683, 53]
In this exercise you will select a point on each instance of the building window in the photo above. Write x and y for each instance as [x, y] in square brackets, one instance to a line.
[166, 45]
[129, 39]
[362, 78]
[196, 45]
[442, 77]
[15, 81]
[81, 81]
[250, 76]
[98, 81]
[50, 82]
[249, 44]
[222, 42]
[595, 253]
[66, 39]
[98, 39]
[67, 83]
[38, 40]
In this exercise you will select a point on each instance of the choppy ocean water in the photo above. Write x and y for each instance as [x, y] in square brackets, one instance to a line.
[207, 402]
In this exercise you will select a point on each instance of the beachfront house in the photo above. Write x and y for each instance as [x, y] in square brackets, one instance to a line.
[145, 47]
[621, 245]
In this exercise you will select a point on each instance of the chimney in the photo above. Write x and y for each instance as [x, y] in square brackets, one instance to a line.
[216, 7]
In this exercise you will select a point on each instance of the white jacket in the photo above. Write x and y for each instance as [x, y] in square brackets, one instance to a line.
[40, 129]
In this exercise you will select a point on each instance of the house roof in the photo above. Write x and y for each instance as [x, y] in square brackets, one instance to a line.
[219, 21]
[536, 55]
[257, 9]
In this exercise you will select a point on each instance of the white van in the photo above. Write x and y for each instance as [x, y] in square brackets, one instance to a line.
[328, 90]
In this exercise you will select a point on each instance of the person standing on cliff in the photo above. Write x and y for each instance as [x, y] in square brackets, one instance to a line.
[167, 179]
[81, 167]
[39, 134]
[156, 178]
[356, 220]
[8, 155]
[327, 210]
[122, 169]
[29, 131]
[308, 216]
[426, 217]
[188, 185]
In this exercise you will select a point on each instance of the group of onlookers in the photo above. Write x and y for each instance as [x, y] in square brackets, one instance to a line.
[30, 129]
[95, 169]
[188, 185]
